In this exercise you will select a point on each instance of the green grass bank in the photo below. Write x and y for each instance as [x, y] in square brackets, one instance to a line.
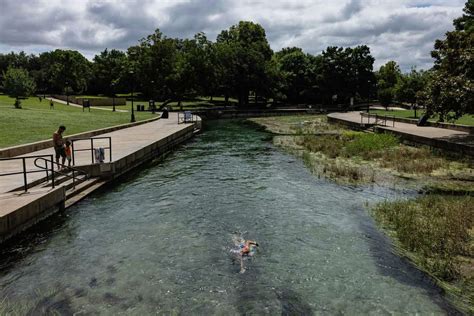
[35, 121]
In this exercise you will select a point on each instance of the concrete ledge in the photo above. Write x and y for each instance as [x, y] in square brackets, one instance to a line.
[27, 148]
[27, 210]
[117, 168]
[350, 124]
[432, 142]
[104, 101]
[455, 127]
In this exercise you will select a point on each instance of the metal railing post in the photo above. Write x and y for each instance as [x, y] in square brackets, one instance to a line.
[92, 150]
[25, 181]
[46, 169]
[110, 148]
[73, 180]
[52, 172]
[72, 149]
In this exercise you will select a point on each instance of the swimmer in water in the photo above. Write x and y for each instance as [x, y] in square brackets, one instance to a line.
[246, 248]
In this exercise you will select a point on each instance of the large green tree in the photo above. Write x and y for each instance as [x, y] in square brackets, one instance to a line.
[387, 78]
[346, 73]
[298, 76]
[65, 69]
[245, 55]
[410, 85]
[17, 83]
[450, 92]
[153, 63]
[109, 70]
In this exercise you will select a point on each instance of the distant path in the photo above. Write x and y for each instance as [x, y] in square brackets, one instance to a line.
[80, 106]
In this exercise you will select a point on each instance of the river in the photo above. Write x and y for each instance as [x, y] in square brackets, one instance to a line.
[159, 241]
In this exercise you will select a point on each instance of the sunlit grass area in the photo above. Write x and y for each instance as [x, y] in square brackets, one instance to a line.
[36, 121]
[463, 120]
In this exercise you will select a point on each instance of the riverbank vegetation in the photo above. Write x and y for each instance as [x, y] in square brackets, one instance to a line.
[437, 233]
[436, 230]
[348, 156]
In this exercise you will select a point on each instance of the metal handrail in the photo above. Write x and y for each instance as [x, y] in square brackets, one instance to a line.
[377, 118]
[25, 172]
[74, 170]
[92, 147]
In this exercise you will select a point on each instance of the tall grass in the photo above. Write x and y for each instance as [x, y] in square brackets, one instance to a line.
[412, 160]
[437, 228]
[370, 146]
[385, 149]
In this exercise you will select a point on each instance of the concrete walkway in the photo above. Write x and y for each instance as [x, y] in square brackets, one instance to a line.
[80, 106]
[124, 142]
[424, 134]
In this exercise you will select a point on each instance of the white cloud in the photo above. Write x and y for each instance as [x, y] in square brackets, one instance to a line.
[402, 30]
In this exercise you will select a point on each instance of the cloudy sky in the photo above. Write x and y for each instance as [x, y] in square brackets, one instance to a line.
[400, 30]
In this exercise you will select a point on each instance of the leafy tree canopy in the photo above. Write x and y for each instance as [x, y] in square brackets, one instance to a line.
[450, 92]
[17, 83]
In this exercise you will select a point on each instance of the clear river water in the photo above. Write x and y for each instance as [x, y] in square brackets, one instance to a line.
[159, 241]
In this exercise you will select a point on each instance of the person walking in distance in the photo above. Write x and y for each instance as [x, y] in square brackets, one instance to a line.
[59, 148]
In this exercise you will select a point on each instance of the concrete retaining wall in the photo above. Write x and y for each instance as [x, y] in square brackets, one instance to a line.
[31, 213]
[456, 127]
[432, 142]
[350, 124]
[92, 101]
[229, 114]
[27, 148]
[117, 168]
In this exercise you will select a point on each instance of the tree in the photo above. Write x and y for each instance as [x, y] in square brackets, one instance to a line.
[245, 55]
[410, 85]
[297, 74]
[450, 92]
[108, 71]
[387, 78]
[21, 60]
[346, 73]
[153, 61]
[65, 69]
[17, 83]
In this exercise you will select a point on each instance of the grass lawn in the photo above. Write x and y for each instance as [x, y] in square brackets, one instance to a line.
[464, 120]
[35, 121]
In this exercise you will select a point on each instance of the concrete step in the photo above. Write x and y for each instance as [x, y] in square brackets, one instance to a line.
[72, 191]
[86, 188]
